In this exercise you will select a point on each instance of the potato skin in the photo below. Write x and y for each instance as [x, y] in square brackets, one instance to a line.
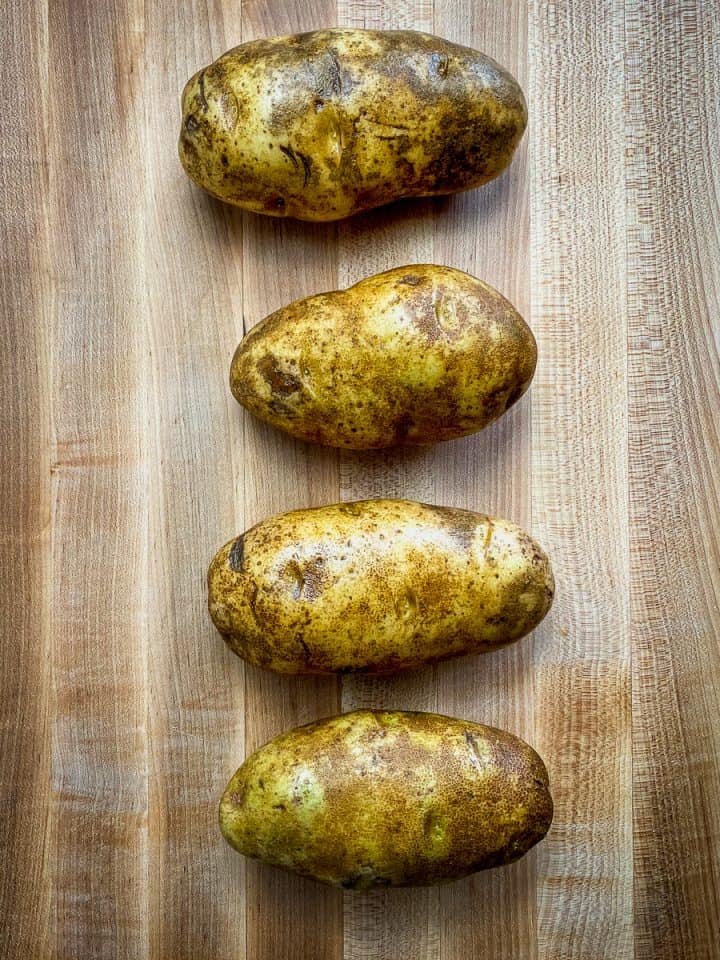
[322, 125]
[376, 586]
[379, 798]
[415, 355]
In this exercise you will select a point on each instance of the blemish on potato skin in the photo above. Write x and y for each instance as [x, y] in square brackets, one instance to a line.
[282, 382]
[377, 586]
[439, 63]
[387, 798]
[235, 557]
[201, 91]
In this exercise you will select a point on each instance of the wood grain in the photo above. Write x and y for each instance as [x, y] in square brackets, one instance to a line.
[98, 484]
[25, 430]
[673, 183]
[579, 476]
[196, 889]
[126, 464]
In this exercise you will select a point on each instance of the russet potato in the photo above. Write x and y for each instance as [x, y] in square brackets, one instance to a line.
[376, 586]
[326, 124]
[415, 355]
[388, 799]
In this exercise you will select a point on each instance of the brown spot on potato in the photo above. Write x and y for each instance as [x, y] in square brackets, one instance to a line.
[307, 578]
[281, 381]
[402, 427]
[252, 599]
[461, 525]
[237, 554]
[407, 606]
[433, 822]
[331, 80]
[201, 92]
[295, 574]
[439, 64]
[238, 796]
[475, 756]
[298, 159]
[314, 576]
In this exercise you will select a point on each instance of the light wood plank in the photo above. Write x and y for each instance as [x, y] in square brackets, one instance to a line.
[287, 917]
[673, 52]
[26, 928]
[579, 475]
[198, 895]
[99, 497]
[492, 915]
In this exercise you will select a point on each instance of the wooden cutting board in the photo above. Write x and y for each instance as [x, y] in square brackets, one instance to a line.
[126, 463]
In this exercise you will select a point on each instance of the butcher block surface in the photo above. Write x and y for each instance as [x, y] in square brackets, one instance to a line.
[126, 463]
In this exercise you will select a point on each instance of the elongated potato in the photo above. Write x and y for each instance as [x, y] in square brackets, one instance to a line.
[376, 585]
[388, 798]
[322, 125]
[415, 355]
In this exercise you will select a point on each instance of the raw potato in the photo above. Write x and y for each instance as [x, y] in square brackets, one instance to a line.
[377, 586]
[415, 355]
[323, 125]
[380, 798]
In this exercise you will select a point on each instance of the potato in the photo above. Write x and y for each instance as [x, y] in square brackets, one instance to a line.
[414, 355]
[322, 125]
[388, 799]
[377, 586]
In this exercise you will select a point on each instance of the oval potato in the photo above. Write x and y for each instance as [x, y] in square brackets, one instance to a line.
[377, 586]
[323, 125]
[388, 798]
[415, 355]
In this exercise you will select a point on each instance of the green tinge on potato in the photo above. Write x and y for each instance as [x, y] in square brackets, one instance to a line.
[415, 355]
[388, 799]
[376, 586]
[323, 125]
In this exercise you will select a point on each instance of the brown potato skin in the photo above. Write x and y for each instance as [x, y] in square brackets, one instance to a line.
[323, 125]
[415, 355]
[380, 798]
[376, 586]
